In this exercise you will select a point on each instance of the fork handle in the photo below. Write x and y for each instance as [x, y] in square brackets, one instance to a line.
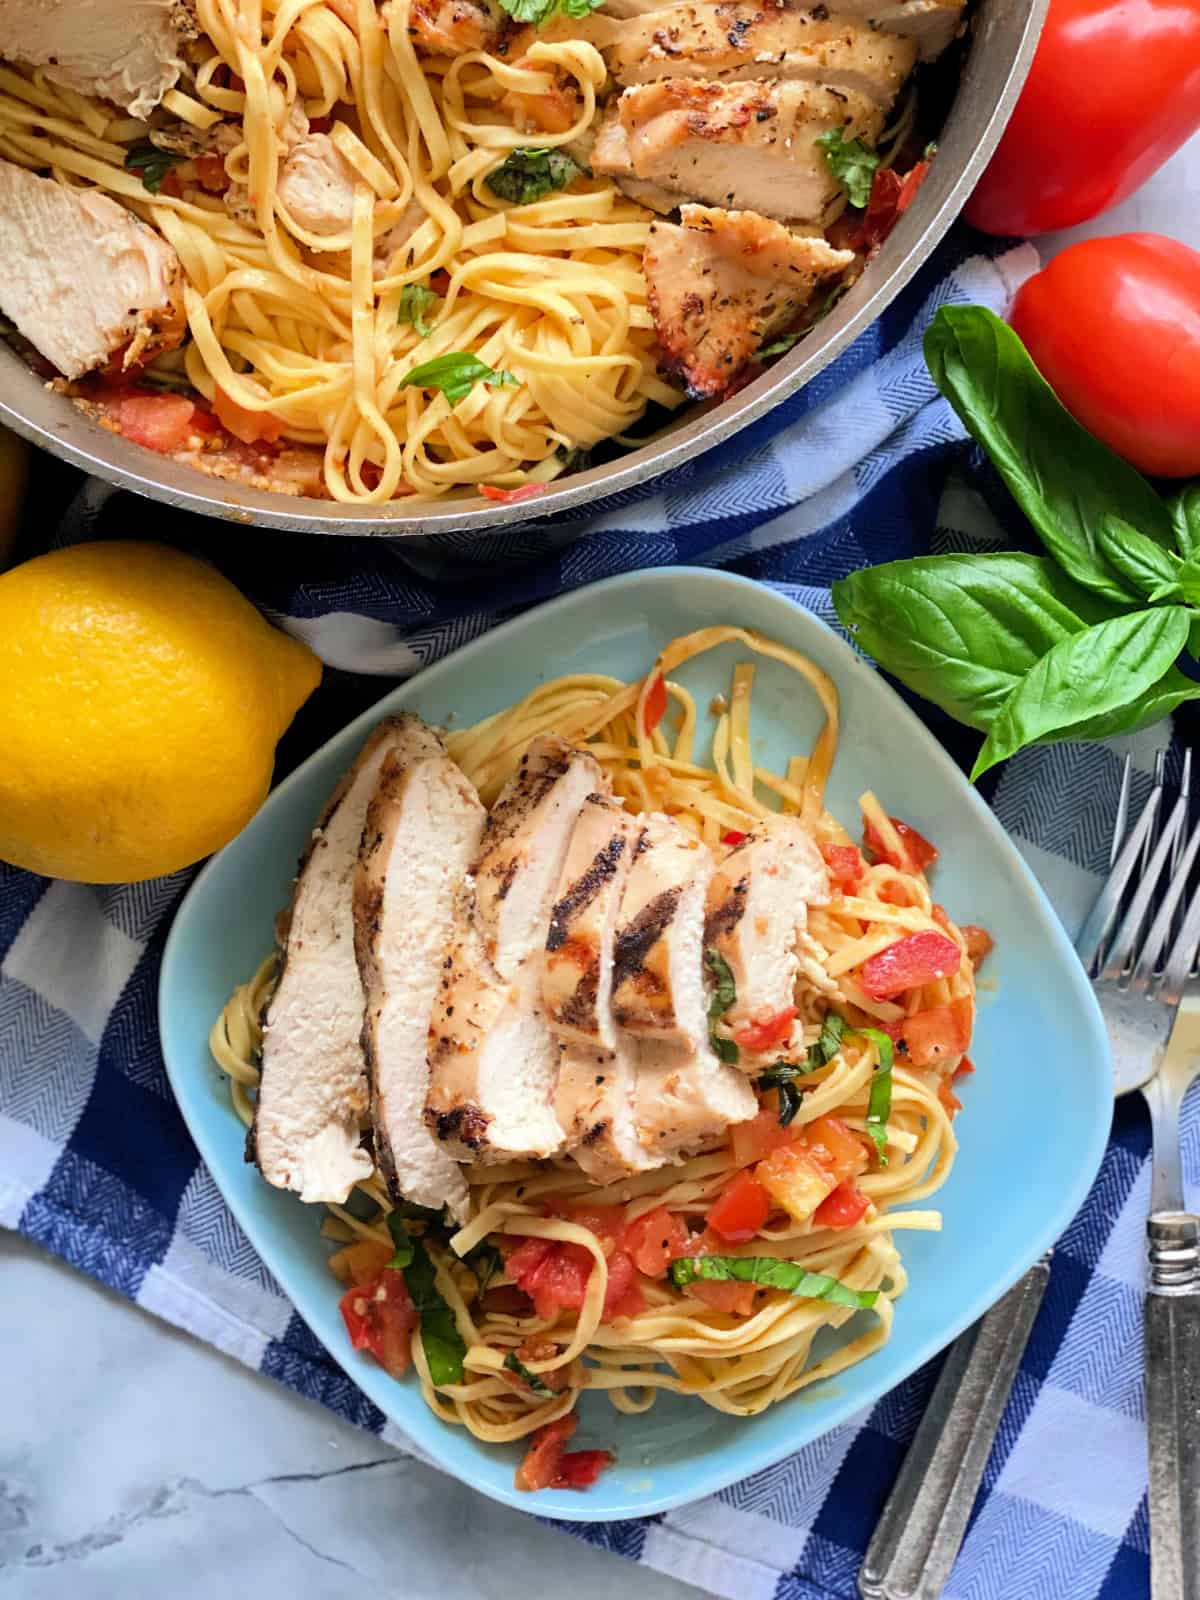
[922, 1525]
[1173, 1403]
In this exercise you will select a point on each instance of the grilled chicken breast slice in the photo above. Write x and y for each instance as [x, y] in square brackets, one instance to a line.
[316, 186]
[611, 155]
[686, 1100]
[931, 23]
[525, 844]
[313, 1094]
[757, 905]
[83, 278]
[723, 284]
[731, 40]
[746, 146]
[126, 51]
[597, 1072]
[493, 1059]
[422, 828]
[493, 1062]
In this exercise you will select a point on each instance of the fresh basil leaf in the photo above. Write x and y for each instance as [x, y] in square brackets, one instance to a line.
[456, 374]
[879, 1103]
[440, 1339]
[768, 1272]
[485, 1261]
[963, 630]
[852, 163]
[402, 1239]
[1184, 508]
[1153, 571]
[1170, 692]
[539, 12]
[1103, 669]
[779, 347]
[724, 995]
[151, 164]
[415, 301]
[1063, 479]
[789, 1102]
[526, 175]
[1188, 577]
[833, 1029]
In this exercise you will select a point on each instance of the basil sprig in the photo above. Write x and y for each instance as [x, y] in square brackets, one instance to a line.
[767, 1272]
[528, 174]
[724, 995]
[456, 373]
[443, 1344]
[1081, 643]
[151, 164]
[852, 163]
[402, 1239]
[530, 1379]
[879, 1103]
[415, 301]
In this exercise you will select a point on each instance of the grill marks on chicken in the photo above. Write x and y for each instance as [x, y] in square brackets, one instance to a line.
[723, 284]
[745, 42]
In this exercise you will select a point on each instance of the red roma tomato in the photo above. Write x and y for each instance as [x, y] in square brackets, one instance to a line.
[380, 1317]
[920, 853]
[546, 1467]
[980, 943]
[845, 866]
[740, 1209]
[910, 963]
[767, 1034]
[159, 421]
[1113, 325]
[656, 704]
[843, 1208]
[928, 1037]
[755, 1139]
[248, 426]
[655, 1240]
[1113, 92]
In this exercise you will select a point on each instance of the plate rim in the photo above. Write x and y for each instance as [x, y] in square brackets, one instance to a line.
[424, 1428]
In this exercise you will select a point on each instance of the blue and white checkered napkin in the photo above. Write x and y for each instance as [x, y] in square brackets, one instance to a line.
[865, 465]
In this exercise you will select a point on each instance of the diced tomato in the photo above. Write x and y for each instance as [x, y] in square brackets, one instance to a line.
[740, 1210]
[546, 1467]
[843, 1208]
[211, 174]
[928, 1037]
[379, 1317]
[964, 1069]
[911, 962]
[938, 913]
[845, 866]
[835, 1147]
[895, 892]
[918, 852]
[737, 1299]
[753, 1140]
[948, 1097]
[159, 421]
[544, 1456]
[525, 1258]
[606, 1222]
[553, 1275]
[732, 836]
[655, 1240]
[361, 1261]
[767, 1034]
[249, 426]
[656, 703]
[439, 282]
[205, 422]
[795, 1181]
[172, 184]
[623, 1296]
[891, 196]
[580, 1468]
[507, 1300]
[979, 942]
[512, 497]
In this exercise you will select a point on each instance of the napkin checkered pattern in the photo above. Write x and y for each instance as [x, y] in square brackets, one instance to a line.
[866, 464]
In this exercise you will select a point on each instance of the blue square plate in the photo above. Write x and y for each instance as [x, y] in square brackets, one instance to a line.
[1037, 1111]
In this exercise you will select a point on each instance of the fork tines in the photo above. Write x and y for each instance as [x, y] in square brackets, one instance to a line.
[1147, 884]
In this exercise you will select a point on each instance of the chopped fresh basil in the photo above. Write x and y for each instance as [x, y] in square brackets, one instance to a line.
[485, 1262]
[527, 174]
[402, 1239]
[779, 346]
[827, 1046]
[783, 1074]
[151, 164]
[1151, 570]
[539, 12]
[440, 1338]
[456, 374]
[530, 1379]
[767, 1272]
[724, 995]
[879, 1104]
[852, 163]
[789, 1102]
[415, 301]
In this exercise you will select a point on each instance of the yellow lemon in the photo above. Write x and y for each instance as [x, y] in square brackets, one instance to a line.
[141, 699]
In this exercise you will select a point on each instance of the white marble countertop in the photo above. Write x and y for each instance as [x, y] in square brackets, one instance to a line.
[135, 1461]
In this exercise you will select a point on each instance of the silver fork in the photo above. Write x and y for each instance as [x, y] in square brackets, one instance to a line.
[1143, 976]
[1152, 1008]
